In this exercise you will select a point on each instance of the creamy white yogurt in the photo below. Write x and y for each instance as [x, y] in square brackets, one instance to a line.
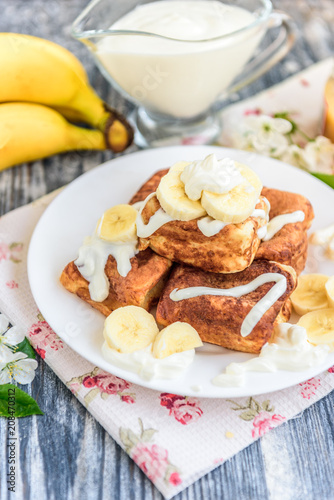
[146, 365]
[289, 350]
[182, 72]
[256, 313]
[92, 258]
[210, 174]
[276, 223]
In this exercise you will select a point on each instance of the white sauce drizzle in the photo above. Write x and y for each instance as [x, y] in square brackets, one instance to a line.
[209, 226]
[276, 224]
[146, 365]
[289, 350]
[92, 258]
[256, 313]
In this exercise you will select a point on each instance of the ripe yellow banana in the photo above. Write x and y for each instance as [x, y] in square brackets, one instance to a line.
[30, 131]
[118, 224]
[319, 326]
[177, 337]
[130, 329]
[310, 294]
[40, 71]
[173, 198]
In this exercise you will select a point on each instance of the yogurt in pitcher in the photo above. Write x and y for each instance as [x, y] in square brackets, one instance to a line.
[182, 73]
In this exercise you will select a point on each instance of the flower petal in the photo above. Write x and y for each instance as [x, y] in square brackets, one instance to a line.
[5, 355]
[4, 377]
[24, 371]
[4, 323]
[14, 336]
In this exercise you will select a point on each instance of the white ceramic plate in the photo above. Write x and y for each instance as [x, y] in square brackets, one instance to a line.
[73, 215]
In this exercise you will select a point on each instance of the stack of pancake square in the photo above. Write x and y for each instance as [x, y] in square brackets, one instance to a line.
[178, 256]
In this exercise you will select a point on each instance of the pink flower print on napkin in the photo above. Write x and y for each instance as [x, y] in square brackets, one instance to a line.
[42, 335]
[263, 422]
[12, 284]
[260, 413]
[331, 369]
[11, 252]
[4, 251]
[101, 383]
[175, 479]
[111, 384]
[184, 409]
[151, 458]
[41, 352]
[309, 388]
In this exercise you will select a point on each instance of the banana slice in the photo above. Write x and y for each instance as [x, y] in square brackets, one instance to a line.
[310, 294]
[329, 287]
[172, 196]
[118, 224]
[322, 236]
[238, 204]
[177, 337]
[130, 329]
[319, 326]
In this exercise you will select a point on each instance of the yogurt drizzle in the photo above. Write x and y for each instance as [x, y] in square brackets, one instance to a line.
[289, 350]
[256, 313]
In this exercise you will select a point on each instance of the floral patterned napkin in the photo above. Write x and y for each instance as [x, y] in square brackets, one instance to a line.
[156, 430]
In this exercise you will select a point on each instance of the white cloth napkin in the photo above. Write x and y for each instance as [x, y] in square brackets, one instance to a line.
[175, 440]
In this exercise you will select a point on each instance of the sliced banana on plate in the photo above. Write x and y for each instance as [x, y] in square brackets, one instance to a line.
[130, 329]
[310, 294]
[118, 224]
[238, 204]
[329, 287]
[177, 337]
[319, 326]
[172, 196]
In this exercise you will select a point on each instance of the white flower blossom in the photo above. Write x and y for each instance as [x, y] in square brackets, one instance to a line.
[9, 337]
[295, 155]
[319, 155]
[17, 366]
[265, 135]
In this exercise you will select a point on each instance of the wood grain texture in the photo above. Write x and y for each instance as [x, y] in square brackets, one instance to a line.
[66, 454]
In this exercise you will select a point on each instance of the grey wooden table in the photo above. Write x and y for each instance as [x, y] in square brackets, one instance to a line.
[67, 454]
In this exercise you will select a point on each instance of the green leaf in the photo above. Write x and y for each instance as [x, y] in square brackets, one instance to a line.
[132, 436]
[125, 438]
[16, 403]
[266, 406]
[327, 178]
[248, 414]
[25, 347]
[148, 434]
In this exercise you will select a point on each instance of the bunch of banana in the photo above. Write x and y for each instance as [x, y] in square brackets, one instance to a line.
[231, 207]
[42, 86]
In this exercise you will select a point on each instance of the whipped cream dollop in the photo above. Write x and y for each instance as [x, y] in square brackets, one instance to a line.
[210, 174]
[93, 256]
[289, 350]
[146, 365]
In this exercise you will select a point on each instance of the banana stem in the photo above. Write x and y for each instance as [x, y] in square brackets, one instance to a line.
[85, 139]
[92, 110]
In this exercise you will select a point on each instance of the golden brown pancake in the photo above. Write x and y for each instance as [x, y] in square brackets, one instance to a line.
[150, 186]
[141, 287]
[229, 251]
[289, 245]
[218, 319]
